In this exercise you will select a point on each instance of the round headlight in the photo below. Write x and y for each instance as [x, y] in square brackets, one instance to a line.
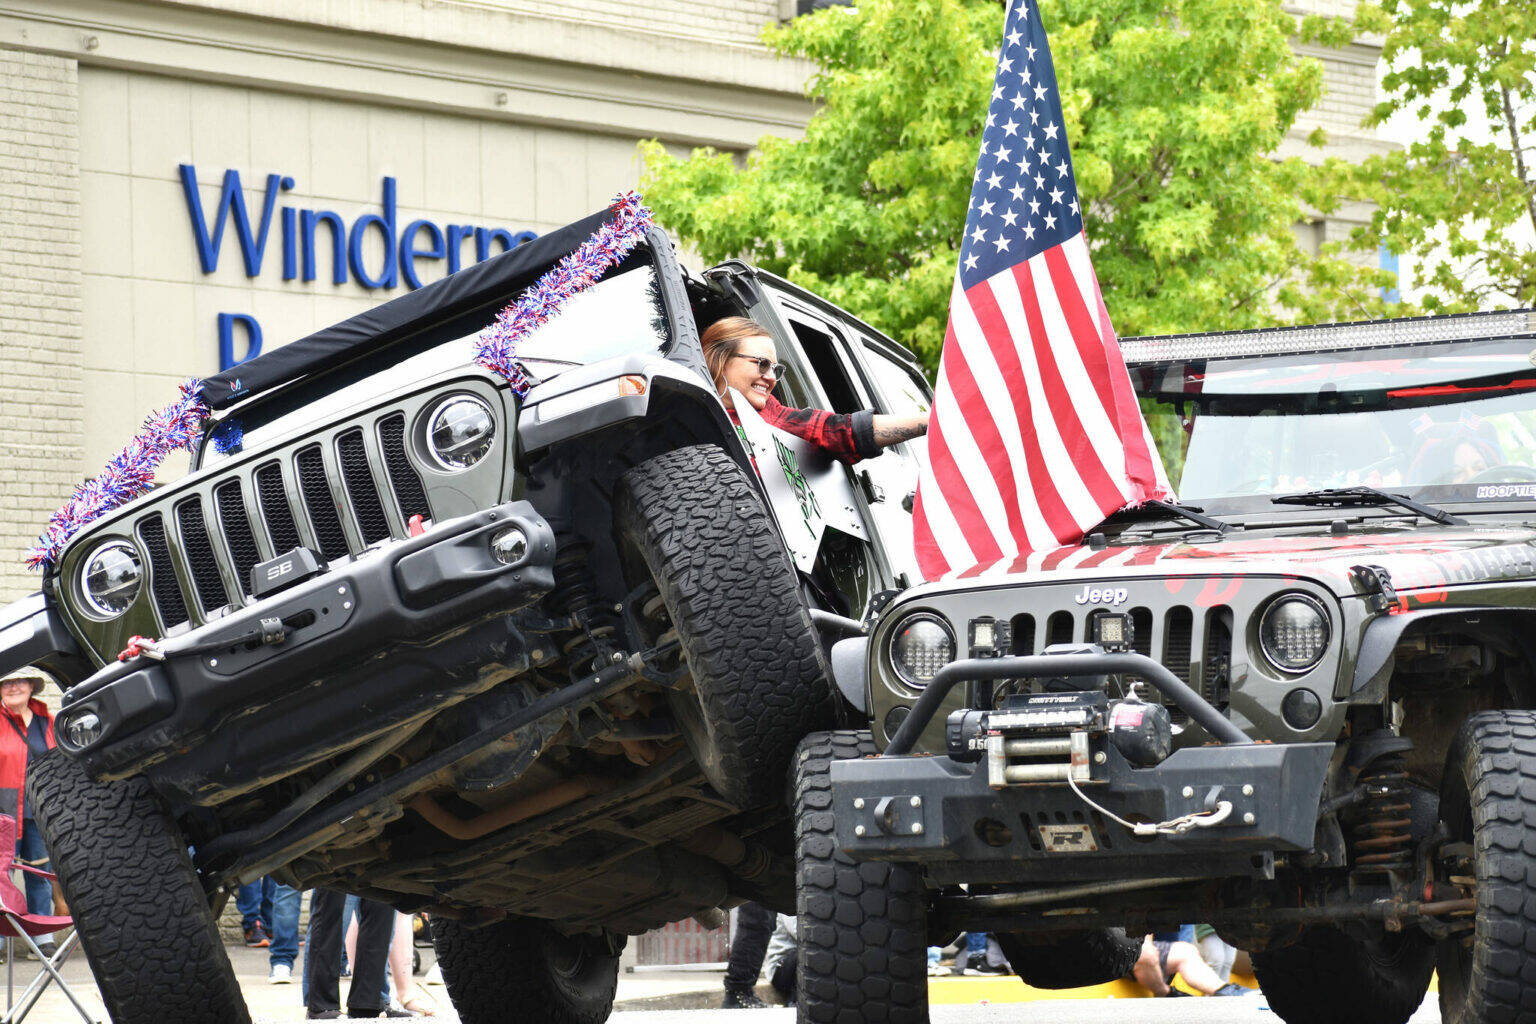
[920, 646]
[111, 579]
[1294, 632]
[460, 432]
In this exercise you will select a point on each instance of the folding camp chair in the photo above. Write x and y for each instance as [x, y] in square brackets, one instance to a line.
[16, 923]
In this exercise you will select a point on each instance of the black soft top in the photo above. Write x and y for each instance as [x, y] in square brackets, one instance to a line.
[462, 294]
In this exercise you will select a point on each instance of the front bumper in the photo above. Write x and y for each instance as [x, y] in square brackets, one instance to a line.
[403, 630]
[943, 815]
[949, 817]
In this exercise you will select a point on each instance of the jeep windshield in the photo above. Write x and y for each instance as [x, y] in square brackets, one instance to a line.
[1443, 423]
[619, 315]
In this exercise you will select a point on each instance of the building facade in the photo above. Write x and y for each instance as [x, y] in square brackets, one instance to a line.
[184, 182]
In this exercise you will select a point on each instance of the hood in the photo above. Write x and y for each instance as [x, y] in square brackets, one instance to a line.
[1415, 558]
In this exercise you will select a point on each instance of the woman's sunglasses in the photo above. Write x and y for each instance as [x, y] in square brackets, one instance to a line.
[765, 365]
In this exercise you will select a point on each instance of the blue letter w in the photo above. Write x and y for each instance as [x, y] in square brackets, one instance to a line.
[231, 203]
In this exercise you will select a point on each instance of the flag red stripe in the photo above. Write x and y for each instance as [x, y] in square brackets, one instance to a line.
[1085, 332]
[1086, 458]
[957, 496]
[978, 419]
[995, 330]
[925, 546]
[1140, 462]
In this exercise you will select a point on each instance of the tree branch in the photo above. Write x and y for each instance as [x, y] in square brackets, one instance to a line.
[1514, 135]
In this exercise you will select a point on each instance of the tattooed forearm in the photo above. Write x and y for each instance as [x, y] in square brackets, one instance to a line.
[891, 430]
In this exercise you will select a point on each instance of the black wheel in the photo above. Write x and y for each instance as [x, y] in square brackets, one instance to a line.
[1328, 977]
[1070, 961]
[522, 969]
[703, 534]
[143, 918]
[1488, 800]
[862, 927]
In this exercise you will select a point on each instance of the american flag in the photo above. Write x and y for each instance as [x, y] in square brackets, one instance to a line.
[1035, 433]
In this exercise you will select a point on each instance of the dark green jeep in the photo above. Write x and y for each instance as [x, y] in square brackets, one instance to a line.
[1301, 708]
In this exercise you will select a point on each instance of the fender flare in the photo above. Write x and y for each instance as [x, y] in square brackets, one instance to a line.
[1374, 661]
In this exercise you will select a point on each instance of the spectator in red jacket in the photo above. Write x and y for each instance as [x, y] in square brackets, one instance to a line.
[742, 356]
[25, 735]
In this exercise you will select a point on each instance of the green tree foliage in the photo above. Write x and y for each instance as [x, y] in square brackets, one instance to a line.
[1463, 197]
[1174, 109]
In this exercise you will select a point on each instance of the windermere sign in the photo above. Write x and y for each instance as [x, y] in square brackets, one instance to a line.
[303, 235]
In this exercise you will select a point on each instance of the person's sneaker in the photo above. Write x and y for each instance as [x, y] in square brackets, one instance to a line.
[976, 966]
[741, 999]
[937, 970]
[45, 945]
[281, 974]
[322, 1014]
[1232, 988]
[256, 937]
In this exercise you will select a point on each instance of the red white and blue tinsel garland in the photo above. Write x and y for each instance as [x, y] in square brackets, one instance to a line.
[130, 473]
[496, 348]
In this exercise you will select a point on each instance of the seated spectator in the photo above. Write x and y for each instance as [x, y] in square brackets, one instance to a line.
[1166, 955]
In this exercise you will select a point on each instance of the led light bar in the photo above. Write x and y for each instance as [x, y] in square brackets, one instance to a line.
[1417, 330]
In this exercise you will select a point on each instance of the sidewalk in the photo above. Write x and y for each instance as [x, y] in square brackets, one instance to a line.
[644, 990]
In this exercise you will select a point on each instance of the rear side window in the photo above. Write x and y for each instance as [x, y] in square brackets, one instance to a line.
[828, 368]
[902, 392]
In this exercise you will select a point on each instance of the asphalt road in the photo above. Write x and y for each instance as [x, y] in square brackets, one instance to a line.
[1240, 1010]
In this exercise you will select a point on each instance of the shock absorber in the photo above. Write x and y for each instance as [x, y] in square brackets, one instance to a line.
[1381, 831]
[575, 594]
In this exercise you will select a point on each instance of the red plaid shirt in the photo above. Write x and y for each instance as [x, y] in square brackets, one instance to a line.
[847, 436]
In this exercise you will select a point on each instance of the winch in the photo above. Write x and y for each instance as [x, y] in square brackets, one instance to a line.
[1036, 738]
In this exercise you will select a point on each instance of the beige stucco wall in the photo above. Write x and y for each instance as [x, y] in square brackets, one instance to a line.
[42, 416]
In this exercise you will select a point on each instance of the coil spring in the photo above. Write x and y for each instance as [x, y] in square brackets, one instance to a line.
[575, 594]
[1381, 837]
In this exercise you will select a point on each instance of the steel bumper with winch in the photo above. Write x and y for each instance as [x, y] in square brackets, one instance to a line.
[1072, 785]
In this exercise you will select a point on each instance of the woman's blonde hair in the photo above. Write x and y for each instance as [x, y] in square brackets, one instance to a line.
[723, 339]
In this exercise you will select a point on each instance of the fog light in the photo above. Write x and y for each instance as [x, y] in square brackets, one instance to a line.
[1301, 709]
[83, 729]
[510, 546]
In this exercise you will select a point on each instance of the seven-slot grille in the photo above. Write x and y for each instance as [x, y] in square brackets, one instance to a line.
[1172, 639]
[335, 504]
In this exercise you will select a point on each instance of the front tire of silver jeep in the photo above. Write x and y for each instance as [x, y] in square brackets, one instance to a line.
[759, 674]
[141, 913]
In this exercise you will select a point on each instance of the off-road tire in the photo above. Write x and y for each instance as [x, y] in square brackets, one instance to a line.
[759, 672]
[1328, 977]
[143, 918]
[1070, 961]
[862, 927]
[522, 969]
[1488, 798]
